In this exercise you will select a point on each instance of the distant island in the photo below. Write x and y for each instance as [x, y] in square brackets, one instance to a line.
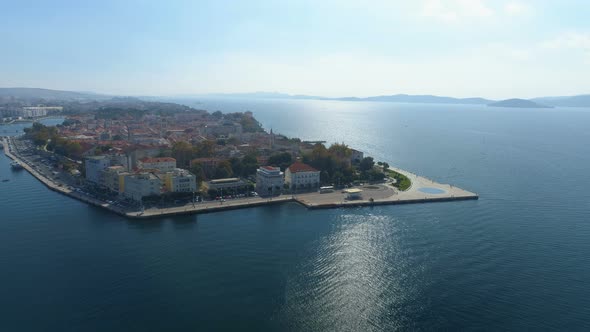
[518, 103]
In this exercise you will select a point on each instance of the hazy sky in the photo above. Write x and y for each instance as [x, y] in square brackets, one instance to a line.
[489, 48]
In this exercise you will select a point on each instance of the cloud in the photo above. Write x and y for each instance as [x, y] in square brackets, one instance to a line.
[569, 40]
[517, 9]
[505, 52]
[453, 10]
[571, 47]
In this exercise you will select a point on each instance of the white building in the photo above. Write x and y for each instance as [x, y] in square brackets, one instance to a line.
[38, 111]
[300, 176]
[269, 180]
[179, 181]
[137, 186]
[95, 166]
[164, 164]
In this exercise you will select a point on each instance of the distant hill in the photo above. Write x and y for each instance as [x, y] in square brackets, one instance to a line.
[399, 98]
[47, 94]
[36, 95]
[518, 103]
[403, 98]
[566, 101]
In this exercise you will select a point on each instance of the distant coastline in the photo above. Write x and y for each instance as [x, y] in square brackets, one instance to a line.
[47, 95]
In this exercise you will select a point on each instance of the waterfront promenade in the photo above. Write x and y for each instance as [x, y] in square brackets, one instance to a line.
[423, 190]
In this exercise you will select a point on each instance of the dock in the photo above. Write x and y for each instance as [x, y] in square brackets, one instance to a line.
[422, 190]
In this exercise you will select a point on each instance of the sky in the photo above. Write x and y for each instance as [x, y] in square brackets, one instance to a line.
[462, 48]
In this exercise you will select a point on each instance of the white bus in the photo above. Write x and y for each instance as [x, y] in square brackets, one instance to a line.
[326, 189]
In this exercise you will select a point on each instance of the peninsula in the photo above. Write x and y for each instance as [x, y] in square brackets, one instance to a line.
[147, 159]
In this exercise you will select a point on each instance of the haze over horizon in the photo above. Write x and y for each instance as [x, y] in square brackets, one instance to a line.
[494, 49]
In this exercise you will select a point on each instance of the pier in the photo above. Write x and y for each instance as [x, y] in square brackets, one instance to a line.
[423, 190]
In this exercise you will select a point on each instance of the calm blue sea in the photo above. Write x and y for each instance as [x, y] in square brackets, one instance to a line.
[517, 259]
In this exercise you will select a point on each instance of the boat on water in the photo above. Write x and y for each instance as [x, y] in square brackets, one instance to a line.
[16, 165]
[5, 180]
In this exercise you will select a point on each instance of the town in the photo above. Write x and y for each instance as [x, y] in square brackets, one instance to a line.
[154, 158]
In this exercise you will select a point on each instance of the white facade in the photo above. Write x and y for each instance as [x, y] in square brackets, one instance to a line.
[179, 181]
[165, 164]
[300, 176]
[141, 185]
[95, 166]
[269, 180]
[38, 111]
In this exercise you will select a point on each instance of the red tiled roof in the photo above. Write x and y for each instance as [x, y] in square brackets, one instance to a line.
[157, 160]
[301, 167]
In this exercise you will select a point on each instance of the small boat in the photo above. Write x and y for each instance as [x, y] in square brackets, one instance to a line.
[16, 165]
[5, 180]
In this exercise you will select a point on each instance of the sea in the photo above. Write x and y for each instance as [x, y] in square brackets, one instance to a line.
[516, 259]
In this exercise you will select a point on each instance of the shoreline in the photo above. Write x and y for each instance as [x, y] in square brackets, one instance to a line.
[385, 195]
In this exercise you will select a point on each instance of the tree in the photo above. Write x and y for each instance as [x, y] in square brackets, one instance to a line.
[205, 149]
[338, 178]
[340, 151]
[249, 165]
[366, 164]
[375, 175]
[223, 170]
[183, 153]
[197, 170]
[282, 160]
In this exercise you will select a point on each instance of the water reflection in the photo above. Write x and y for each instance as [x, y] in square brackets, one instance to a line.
[352, 281]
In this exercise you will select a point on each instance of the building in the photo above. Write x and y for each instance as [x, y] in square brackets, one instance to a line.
[224, 128]
[356, 156]
[163, 164]
[38, 111]
[139, 185]
[95, 166]
[300, 176]
[228, 185]
[135, 154]
[112, 178]
[269, 180]
[179, 181]
[119, 159]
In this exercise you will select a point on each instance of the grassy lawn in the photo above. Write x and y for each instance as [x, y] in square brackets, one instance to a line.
[403, 183]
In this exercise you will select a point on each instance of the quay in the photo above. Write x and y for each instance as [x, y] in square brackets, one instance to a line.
[422, 190]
